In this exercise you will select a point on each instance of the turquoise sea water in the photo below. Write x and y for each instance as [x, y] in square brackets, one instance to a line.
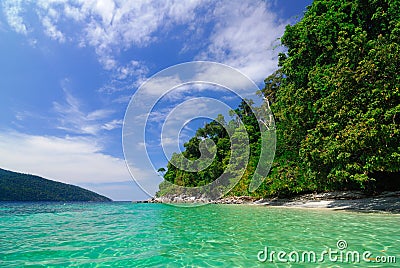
[157, 235]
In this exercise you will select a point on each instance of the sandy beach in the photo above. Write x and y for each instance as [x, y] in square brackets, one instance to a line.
[372, 204]
[341, 200]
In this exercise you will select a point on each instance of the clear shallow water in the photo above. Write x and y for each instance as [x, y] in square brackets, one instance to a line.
[157, 235]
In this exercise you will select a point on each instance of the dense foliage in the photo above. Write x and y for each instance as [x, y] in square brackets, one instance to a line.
[336, 101]
[217, 131]
[336, 98]
[23, 187]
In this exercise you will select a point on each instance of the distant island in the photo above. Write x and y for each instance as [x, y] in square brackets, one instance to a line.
[25, 187]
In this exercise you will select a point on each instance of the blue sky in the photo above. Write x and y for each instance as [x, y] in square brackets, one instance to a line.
[69, 68]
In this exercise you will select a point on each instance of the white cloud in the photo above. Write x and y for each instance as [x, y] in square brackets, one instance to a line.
[112, 124]
[112, 26]
[71, 118]
[52, 31]
[74, 13]
[99, 114]
[122, 99]
[125, 77]
[105, 8]
[13, 11]
[243, 33]
[244, 36]
[106, 25]
[71, 159]
[160, 85]
[183, 11]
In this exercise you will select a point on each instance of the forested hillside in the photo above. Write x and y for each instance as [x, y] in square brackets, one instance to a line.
[23, 187]
[336, 98]
[336, 102]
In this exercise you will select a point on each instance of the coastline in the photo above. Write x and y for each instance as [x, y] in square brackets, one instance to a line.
[340, 200]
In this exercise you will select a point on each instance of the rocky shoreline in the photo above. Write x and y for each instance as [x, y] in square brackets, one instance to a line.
[339, 200]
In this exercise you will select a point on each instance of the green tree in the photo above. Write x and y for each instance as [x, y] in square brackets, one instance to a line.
[336, 98]
[162, 171]
[216, 132]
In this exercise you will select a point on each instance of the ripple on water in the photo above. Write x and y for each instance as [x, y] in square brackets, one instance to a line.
[156, 235]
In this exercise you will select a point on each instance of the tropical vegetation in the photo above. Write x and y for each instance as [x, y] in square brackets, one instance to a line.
[336, 102]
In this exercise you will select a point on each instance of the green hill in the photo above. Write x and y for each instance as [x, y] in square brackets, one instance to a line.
[24, 187]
